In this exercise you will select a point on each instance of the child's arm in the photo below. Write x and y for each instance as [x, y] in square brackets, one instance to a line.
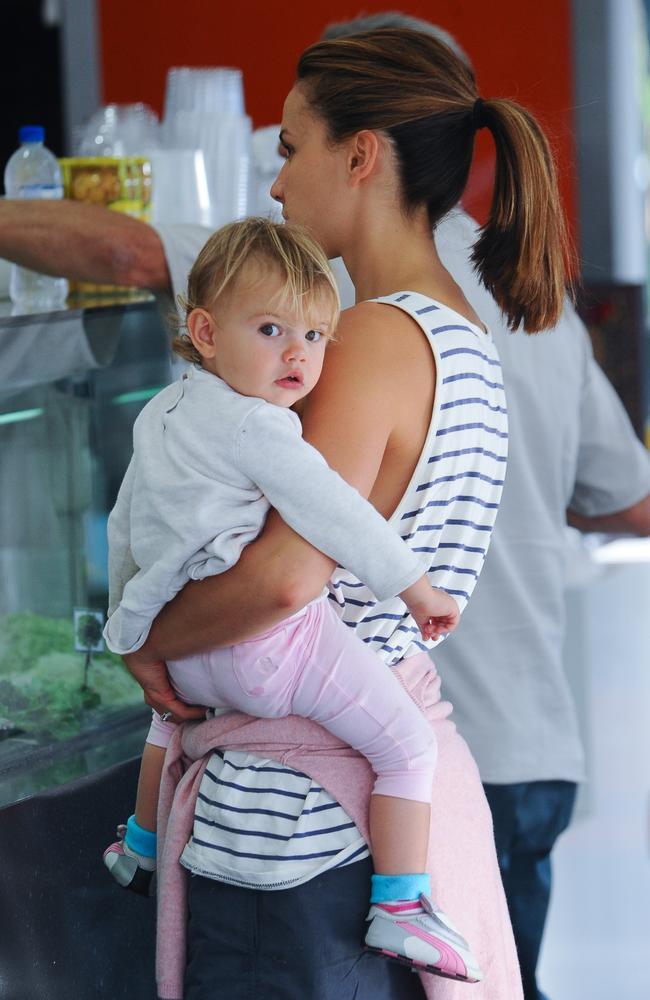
[121, 564]
[435, 611]
[320, 506]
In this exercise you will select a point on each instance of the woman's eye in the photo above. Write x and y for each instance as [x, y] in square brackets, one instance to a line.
[313, 335]
[270, 330]
[285, 151]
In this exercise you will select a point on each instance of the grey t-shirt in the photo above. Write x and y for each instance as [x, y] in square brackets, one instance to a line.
[571, 445]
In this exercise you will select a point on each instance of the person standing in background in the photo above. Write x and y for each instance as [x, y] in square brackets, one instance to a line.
[572, 448]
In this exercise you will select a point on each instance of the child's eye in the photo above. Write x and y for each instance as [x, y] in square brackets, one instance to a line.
[284, 150]
[313, 335]
[270, 330]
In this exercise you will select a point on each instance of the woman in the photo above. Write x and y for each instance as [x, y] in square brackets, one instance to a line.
[378, 134]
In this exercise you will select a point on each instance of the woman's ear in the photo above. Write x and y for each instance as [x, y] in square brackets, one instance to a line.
[363, 155]
[201, 331]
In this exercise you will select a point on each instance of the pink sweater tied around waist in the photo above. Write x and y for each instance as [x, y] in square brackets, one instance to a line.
[294, 741]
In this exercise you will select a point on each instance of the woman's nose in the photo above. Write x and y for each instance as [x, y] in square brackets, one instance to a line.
[276, 190]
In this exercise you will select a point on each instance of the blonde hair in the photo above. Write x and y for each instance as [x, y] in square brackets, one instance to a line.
[304, 271]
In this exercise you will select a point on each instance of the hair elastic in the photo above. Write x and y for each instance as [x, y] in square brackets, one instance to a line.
[478, 114]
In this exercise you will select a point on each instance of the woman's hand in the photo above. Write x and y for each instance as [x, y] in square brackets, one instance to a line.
[151, 675]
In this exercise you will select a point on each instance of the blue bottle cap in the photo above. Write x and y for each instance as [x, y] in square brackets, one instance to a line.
[31, 133]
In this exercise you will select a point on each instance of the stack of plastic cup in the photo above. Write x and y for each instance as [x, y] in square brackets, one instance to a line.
[204, 90]
[203, 170]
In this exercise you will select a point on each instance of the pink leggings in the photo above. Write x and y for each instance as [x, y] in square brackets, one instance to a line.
[314, 666]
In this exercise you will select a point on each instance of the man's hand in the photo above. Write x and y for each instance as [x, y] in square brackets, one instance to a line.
[153, 678]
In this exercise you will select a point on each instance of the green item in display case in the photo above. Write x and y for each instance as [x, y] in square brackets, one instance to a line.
[46, 687]
[88, 639]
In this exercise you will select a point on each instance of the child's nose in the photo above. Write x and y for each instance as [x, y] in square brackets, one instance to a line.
[294, 350]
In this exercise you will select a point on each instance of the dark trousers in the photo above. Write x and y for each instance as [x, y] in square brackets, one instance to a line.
[303, 943]
[528, 818]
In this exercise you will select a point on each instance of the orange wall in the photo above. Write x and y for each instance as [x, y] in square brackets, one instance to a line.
[519, 50]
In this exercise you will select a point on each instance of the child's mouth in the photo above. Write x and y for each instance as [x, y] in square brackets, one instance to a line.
[292, 380]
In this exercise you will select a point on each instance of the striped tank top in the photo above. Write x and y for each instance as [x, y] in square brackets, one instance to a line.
[262, 825]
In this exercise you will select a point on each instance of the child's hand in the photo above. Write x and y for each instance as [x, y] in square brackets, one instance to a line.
[435, 611]
[437, 625]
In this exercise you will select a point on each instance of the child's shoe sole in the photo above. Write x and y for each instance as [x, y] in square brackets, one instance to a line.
[126, 871]
[418, 934]
[416, 966]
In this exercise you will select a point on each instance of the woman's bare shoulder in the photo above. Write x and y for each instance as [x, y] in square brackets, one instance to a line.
[370, 315]
[374, 347]
[379, 331]
[370, 411]
[380, 364]
[385, 325]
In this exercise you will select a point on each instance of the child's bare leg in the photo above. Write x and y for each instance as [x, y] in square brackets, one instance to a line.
[403, 921]
[146, 803]
[132, 860]
[399, 834]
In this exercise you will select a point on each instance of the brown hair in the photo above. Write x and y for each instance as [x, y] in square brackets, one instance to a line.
[416, 90]
[304, 271]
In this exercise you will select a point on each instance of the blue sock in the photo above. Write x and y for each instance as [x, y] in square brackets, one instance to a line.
[140, 841]
[388, 888]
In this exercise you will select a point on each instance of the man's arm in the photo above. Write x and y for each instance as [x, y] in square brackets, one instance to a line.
[82, 242]
[611, 487]
[634, 520]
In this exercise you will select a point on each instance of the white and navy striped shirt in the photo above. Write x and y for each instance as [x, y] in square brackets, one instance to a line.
[260, 824]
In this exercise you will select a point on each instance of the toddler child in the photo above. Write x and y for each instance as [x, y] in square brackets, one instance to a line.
[212, 453]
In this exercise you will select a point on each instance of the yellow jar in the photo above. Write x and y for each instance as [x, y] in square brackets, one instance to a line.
[121, 183]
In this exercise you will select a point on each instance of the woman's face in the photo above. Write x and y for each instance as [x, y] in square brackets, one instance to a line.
[312, 185]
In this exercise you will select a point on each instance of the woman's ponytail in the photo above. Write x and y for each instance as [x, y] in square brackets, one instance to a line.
[522, 255]
[424, 97]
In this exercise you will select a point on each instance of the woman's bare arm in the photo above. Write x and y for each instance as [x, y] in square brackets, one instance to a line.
[275, 576]
[254, 595]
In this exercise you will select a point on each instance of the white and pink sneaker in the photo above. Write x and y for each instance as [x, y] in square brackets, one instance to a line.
[420, 935]
[132, 871]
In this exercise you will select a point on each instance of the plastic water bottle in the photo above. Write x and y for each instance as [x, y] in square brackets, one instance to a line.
[33, 172]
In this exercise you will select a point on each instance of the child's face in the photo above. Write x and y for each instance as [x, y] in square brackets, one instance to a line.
[257, 344]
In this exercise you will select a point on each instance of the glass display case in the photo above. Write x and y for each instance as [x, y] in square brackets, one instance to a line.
[71, 385]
